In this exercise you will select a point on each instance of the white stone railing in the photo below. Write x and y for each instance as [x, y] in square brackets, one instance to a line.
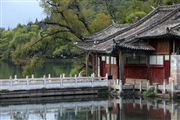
[116, 84]
[52, 82]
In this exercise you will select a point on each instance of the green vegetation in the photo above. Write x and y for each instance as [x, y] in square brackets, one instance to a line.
[4, 91]
[150, 92]
[68, 21]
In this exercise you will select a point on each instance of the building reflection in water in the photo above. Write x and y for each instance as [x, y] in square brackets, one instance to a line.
[115, 109]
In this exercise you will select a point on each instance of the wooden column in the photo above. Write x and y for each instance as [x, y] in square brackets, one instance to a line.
[109, 69]
[121, 66]
[99, 66]
[117, 62]
[96, 65]
[174, 47]
[148, 68]
[87, 59]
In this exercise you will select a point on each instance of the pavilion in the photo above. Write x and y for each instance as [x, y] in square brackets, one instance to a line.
[141, 50]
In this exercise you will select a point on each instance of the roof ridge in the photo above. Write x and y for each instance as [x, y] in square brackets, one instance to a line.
[156, 23]
[154, 11]
[177, 26]
[169, 6]
[112, 25]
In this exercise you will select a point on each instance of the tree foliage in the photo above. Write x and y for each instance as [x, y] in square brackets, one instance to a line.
[67, 21]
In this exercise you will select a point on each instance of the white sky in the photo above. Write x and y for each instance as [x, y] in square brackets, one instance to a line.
[13, 12]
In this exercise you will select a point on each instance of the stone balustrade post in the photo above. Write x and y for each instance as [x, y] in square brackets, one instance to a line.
[49, 76]
[120, 86]
[32, 76]
[114, 85]
[63, 75]
[164, 87]
[75, 77]
[79, 75]
[61, 80]
[27, 81]
[140, 87]
[172, 89]
[92, 79]
[44, 80]
[11, 81]
[147, 85]
[15, 77]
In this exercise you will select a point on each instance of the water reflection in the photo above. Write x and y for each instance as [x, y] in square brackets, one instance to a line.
[115, 109]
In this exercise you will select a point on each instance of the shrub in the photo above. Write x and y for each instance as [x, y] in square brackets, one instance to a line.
[150, 92]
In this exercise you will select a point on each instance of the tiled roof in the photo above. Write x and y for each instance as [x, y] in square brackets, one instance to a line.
[155, 23]
[111, 30]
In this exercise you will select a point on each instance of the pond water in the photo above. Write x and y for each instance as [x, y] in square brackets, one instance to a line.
[55, 69]
[104, 109]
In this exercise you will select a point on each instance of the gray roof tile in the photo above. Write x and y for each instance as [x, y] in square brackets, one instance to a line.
[154, 24]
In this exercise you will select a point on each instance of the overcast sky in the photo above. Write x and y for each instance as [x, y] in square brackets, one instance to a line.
[13, 12]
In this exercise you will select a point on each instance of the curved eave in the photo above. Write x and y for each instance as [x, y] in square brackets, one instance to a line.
[175, 33]
[93, 48]
[168, 34]
[138, 48]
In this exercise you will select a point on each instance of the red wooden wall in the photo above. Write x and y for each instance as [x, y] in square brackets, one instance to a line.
[114, 70]
[135, 71]
[167, 70]
[105, 67]
[155, 74]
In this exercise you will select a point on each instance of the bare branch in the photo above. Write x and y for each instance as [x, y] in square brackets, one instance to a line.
[42, 37]
[67, 25]
[54, 5]
[76, 8]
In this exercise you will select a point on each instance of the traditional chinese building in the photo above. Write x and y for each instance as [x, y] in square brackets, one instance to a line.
[141, 50]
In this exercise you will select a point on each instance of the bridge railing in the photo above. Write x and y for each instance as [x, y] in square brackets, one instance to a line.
[51, 82]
